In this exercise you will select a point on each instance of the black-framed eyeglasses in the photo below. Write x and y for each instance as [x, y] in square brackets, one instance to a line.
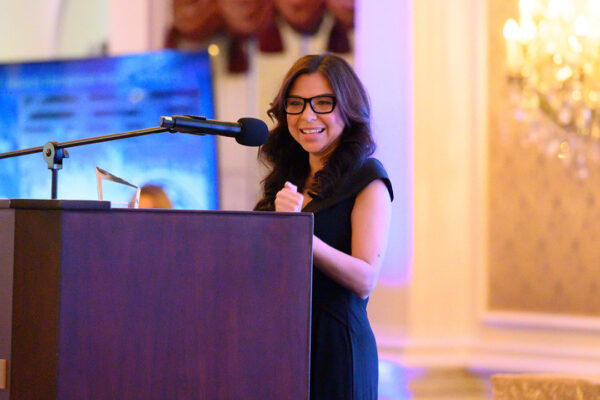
[322, 104]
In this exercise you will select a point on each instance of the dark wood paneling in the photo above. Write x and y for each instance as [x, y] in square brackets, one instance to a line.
[35, 305]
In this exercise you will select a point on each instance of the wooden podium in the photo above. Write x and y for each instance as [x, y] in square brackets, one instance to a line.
[153, 304]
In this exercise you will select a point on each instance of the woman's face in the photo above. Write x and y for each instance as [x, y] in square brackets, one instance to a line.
[318, 134]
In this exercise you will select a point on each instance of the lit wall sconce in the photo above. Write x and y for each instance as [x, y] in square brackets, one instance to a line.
[553, 62]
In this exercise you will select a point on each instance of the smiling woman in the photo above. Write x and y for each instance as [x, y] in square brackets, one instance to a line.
[319, 153]
[319, 127]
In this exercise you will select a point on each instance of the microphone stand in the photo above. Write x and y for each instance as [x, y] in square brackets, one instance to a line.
[54, 152]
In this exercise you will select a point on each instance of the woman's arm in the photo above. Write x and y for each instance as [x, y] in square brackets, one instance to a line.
[370, 225]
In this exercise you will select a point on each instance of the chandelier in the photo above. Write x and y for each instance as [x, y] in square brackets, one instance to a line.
[553, 62]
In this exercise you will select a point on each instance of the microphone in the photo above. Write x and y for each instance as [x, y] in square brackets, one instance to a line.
[247, 131]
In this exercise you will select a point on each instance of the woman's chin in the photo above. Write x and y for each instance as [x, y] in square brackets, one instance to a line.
[312, 148]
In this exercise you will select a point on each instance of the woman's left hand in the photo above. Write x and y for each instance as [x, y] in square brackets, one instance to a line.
[288, 199]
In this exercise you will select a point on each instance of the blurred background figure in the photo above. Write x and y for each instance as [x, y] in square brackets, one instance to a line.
[154, 196]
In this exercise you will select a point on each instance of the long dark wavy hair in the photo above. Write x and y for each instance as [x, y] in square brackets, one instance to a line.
[289, 161]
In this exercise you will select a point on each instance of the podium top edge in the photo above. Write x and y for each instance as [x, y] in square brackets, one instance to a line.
[41, 204]
[82, 205]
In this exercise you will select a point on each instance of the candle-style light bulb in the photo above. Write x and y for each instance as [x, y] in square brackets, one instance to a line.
[511, 30]
[514, 55]
[581, 26]
[528, 8]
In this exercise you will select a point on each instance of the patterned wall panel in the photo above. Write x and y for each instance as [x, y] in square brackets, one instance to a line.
[544, 232]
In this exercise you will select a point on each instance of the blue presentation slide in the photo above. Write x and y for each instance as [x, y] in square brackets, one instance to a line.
[67, 100]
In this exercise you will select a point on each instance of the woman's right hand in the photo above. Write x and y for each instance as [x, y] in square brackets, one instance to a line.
[288, 199]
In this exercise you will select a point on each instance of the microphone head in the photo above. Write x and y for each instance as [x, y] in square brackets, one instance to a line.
[254, 132]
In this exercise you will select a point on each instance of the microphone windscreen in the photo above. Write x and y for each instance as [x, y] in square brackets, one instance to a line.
[254, 132]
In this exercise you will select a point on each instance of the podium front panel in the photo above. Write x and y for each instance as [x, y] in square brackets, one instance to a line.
[155, 304]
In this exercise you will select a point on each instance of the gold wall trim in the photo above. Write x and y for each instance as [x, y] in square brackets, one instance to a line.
[540, 320]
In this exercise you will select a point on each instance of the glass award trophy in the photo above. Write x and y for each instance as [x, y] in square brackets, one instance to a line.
[118, 191]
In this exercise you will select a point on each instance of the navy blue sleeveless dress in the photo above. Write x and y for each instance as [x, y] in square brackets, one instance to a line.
[344, 363]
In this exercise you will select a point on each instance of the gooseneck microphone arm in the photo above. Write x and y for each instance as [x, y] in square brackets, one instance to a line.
[200, 125]
[81, 142]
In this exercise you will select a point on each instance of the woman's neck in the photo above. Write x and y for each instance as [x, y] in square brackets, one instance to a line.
[316, 164]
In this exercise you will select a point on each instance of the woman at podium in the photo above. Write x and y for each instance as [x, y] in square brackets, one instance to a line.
[319, 158]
